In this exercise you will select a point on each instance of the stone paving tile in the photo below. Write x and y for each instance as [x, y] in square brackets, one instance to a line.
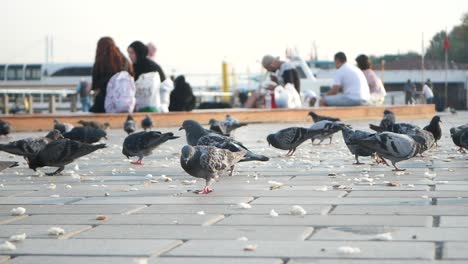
[452, 201]
[455, 250]
[342, 201]
[92, 247]
[40, 231]
[275, 193]
[396, 233]
[175, 260]
[76, 260]
[450, 187]
[228, 209]
[127, 192]
[408, 194]
[432, 210]
[372, 261]
[185, 232]
[454, 221]
[73, 209]
[316, 249]
[9, 219]
[37, 200]
[328, 220]
[165, 200]
[147, 219]
[4, 193]
[4, 259]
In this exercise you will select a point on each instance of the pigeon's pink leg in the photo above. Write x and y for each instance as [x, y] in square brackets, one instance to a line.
[396, 168]
[206, 190]
[138, 162]
[460, 149]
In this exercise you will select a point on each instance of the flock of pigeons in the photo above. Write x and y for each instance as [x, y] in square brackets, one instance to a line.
[211, 152]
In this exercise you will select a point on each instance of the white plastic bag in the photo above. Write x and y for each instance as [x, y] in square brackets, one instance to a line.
[120, 93]
[147, 91]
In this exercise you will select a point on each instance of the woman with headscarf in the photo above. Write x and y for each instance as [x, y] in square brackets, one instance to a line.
[147, 78]
[108, 61]
[182, 98]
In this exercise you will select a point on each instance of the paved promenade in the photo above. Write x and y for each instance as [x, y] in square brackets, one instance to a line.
[114, 212]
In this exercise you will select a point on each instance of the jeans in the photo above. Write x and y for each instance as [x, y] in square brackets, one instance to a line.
[85, 103]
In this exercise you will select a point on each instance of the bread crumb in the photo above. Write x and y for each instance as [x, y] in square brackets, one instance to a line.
[297, 210]
[101, 217]
[251, 247]
[18, 211]
[18, 237]
[349, 250]
[7, 246]
[244, 206]
[55, 231]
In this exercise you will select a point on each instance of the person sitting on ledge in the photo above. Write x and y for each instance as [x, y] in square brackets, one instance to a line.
[350, 81]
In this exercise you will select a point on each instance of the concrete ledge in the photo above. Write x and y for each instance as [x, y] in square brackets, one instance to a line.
[45, 121]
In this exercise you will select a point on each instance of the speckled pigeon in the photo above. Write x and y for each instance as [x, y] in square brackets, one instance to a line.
[29, 147]
[208, 162]
[130, 125]
[290, 138]
[147, 123]
[85, 134]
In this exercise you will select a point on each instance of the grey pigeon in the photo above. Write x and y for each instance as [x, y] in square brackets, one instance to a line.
[387, 121]
[459, 137]
[214, 126]
[208, 162]
[434, 128]
[326, 129]
[29, 147]
[5, 128]
[130, 125]
[318, 118]
[143, 143]
[61, 152]
[7, 164]
[62, 127]
[424, 138]
[400, 128]
[85, 134]
[230, 124]
[197, 135]
[147, 123]
[392, 146]
[290, 138]
[351, 138]
[94, 124]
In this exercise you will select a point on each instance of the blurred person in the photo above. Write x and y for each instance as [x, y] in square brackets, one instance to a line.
[147, 79]
[84, 90]
[350, 86]
[152, 55]
[376, 87]
[182, 98]
[428, 93]
[410, 91]
[108, 62]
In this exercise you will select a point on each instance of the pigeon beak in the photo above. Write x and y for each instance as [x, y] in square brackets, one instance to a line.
[181, 128]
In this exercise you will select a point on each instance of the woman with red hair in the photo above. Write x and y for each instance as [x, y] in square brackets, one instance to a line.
[109, 61]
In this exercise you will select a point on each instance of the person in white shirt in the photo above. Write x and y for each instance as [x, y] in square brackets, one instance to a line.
[427, 91]
[350, 81]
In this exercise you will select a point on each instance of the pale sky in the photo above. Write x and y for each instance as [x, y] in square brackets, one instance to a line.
[194, 36]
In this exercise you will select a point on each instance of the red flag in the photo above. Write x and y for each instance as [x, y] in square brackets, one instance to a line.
[446, 43]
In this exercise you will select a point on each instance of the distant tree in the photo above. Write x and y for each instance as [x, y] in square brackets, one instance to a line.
[458, 39]
[393, 57]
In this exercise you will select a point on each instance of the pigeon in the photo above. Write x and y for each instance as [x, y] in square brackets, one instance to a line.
[62, 127]
[143, 143]
[230, 124]
[424, 138]
[400, 128]
[208, 162]
[459, 137]
[85, 134]
[147, 123]
[5, 128]
[290, 138]
[29, 147]
[214, 126]
[61, 152]
[94, 124]
[8, 164]
[392, 146]
[387, 121]
[434, 128]
[225, 127]
[326, 130]
[196, 135]
[318, 118]
[351, 138]
[130, 125]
